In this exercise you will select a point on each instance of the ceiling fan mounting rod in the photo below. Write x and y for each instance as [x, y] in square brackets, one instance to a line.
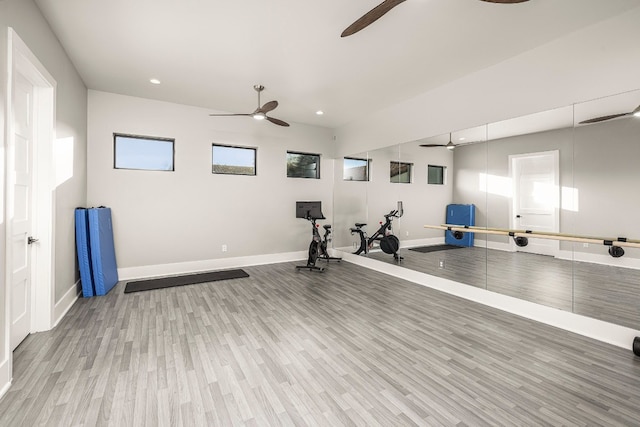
[258, 88]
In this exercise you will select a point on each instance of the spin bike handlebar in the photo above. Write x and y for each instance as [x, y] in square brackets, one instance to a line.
[392, 214]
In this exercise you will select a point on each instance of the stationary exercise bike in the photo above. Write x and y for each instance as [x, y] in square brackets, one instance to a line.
[387, 241]
[311, 211]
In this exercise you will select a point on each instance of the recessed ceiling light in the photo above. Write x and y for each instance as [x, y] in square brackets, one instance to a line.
[319, 112]
[154, 81]
[462, 138]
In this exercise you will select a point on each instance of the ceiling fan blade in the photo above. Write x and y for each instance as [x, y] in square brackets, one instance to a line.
[271, 105]
[370, 17]
[231, 114]
[603, 118]
[433, 145]
[505, 1]
[277, 121]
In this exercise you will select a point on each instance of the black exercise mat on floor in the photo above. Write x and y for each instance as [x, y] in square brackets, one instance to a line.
[434, 248]
[189, 279]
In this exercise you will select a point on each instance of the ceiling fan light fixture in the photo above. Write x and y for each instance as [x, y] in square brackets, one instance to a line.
[259, 116]
[450, 146]
[636, 112]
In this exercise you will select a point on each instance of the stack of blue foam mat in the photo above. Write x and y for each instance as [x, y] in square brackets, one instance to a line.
[96, 251]
[460, 215]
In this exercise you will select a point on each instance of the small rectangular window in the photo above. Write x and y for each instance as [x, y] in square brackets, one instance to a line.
[143, 152]
[356, 169]
[303, 165]
[436, 174]
[400, 172]
[226, 159]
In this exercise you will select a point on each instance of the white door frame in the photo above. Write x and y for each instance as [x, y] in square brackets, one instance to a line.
[21, 60]
[556, 209]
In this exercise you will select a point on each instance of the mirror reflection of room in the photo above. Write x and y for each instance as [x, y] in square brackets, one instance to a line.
[565, 176]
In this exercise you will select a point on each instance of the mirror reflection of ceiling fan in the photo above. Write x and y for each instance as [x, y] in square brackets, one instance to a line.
[635, 112]
[260, 113]
[384, 7]
[449, 145]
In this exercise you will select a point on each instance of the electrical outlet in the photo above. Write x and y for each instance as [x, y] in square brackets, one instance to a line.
[224, 248]
[355, 245]
[441, 263]
[585, 245]
[407, 234]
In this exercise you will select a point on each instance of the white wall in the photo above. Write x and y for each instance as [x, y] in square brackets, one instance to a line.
[187, 215]
[71, 121]
[597, 61]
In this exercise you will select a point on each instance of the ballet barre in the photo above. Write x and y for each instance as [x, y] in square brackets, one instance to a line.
[521, 237]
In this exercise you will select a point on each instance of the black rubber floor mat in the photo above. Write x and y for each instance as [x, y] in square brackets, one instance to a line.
[189, 279]
[434, 248]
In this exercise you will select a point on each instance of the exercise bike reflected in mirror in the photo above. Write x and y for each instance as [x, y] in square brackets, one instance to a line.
[312, 211]
[389, 244]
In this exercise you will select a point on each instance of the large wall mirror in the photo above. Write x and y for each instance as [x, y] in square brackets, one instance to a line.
[570, 172]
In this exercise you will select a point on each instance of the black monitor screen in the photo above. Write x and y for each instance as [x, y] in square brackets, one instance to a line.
[311, 210]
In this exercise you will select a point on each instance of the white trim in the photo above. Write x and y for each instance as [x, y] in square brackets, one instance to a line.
[404, 244]
[421, 242]
[498, 246]
[21, 59]
[66, 302]
[145, 271]
[604, 258]
[610, 333]
[5, 377]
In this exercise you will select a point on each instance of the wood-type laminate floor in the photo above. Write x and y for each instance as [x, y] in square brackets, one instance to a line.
[346, 347]
[603, 292]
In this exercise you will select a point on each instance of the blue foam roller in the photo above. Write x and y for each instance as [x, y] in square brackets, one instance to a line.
[84, 252]
[103, 254]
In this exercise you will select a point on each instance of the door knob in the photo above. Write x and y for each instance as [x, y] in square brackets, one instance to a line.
[31, 240]
[517, 216]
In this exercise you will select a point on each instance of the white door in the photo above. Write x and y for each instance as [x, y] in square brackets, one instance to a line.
[536, 198]
[22, 143]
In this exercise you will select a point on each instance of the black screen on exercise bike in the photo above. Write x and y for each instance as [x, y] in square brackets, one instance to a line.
[311, 210]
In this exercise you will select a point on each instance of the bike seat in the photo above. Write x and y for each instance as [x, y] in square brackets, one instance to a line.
[360, 224]
[327, 226]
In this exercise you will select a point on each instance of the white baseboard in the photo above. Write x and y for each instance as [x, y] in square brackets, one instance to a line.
[604, 258]
[404, 244]
[5, 377]
[421, 242]
[146, 271]
[66, 302]
[610, 333]
[498, 246]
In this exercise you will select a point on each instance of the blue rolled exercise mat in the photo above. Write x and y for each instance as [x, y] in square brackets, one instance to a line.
[84, 252]
[103, 253]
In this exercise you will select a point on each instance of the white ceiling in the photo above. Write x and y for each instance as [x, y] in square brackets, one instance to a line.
[210, 53]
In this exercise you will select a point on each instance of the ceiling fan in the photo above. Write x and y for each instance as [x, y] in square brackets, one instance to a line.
[384, 7]
[635, 112]
[260, 113]
[449, 146]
